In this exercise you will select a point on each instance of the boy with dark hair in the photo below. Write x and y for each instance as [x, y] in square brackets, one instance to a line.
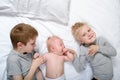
[22, 62]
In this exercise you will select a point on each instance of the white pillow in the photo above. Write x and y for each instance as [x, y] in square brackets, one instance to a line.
[55, 10]
[47, 10]
[6, 8]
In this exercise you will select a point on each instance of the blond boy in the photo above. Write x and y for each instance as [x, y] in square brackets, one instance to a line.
[98, 51]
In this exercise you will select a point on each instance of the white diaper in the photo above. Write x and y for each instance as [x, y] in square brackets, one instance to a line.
[59, 78]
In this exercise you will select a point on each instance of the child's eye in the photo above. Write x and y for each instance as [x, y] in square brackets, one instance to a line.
[83, 35]
[33, 44]
[89, 30]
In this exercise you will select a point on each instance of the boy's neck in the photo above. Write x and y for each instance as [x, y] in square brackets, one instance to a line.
[90, 44]
[20, 51]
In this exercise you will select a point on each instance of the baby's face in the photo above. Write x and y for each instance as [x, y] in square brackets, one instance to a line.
[86, 35]
[59, 46]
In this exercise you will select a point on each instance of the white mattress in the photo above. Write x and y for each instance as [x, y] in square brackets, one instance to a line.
[103, 15]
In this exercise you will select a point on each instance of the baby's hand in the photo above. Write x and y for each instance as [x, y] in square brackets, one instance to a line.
[65, 50]
[69, 54]
[72, 51]
[93, 49]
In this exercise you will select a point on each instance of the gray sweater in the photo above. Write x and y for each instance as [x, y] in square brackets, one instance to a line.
[101, 63]
[18, 64]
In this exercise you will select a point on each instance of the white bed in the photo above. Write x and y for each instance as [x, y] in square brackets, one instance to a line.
[56, 17]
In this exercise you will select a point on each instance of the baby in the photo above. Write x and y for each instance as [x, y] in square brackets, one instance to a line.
[55, 58]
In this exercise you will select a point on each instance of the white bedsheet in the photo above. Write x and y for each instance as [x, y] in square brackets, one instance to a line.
[103, 15]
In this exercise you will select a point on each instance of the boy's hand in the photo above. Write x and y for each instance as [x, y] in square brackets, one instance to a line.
[38, 60]
[93, 49]
[36, 55]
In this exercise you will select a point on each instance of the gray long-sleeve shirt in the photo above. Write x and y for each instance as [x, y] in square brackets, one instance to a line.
[101, 63]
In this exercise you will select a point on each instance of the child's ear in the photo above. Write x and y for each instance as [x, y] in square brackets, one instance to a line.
[19, 44]
[52, 48]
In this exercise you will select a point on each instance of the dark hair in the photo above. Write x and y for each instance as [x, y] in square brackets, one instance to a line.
[22, 33]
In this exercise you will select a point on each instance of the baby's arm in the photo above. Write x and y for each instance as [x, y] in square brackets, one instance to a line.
[37, 61]
[69, 54]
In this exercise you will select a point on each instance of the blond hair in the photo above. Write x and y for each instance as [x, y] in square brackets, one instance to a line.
[22, 33]
[76, 27]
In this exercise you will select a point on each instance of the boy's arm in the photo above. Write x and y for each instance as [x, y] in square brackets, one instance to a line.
[93, 49]
[17, 77]
[14, 68]
[80, 60]
[39, 75]
[79, 63]
[30, 74]
[106, 48]
[35, 64]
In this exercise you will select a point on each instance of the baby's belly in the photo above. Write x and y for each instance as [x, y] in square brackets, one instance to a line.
[54, 72]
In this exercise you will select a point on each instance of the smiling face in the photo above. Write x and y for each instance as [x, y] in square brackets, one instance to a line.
[86, 35]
